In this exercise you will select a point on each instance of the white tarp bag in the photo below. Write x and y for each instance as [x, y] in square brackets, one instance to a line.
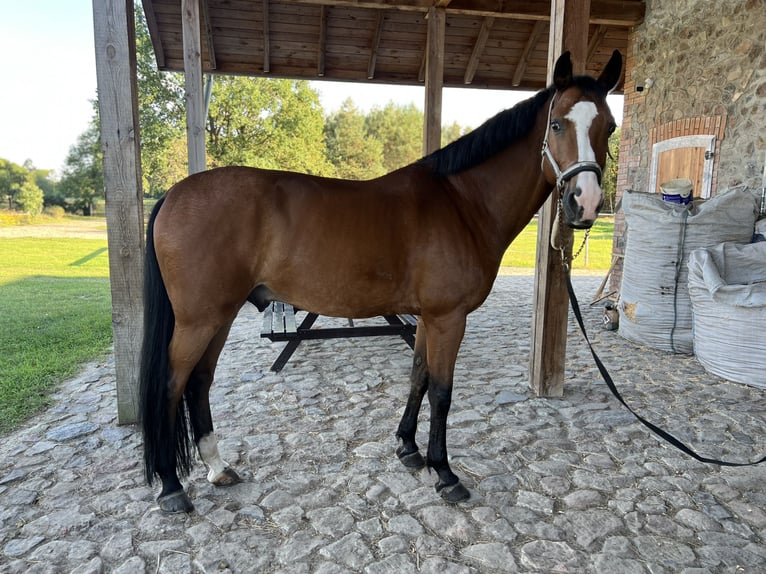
[727, 286]
[654, 306]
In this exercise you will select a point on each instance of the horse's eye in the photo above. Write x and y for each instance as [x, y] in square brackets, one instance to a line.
[611, 128]
[556, 126]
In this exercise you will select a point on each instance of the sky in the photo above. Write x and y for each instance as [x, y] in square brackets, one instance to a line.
[48, 82]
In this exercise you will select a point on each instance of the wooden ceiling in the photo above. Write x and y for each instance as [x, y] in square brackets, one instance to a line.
[489, 43]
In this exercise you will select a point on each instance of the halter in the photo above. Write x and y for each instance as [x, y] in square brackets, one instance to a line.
[563, 177]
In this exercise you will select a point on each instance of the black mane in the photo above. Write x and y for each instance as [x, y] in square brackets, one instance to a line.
[497, 133]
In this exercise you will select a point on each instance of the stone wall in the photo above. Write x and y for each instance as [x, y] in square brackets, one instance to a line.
[702, 59]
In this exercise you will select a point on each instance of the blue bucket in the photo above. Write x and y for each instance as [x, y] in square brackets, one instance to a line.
[677, 191]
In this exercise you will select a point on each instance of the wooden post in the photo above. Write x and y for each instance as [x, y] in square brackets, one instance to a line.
[114, 36]
[432, 127]
[195, 100]
[568, 31]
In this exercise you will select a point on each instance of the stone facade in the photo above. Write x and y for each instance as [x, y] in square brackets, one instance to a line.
[705, 62]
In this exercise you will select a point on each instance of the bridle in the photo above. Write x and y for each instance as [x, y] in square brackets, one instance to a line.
[563, 177]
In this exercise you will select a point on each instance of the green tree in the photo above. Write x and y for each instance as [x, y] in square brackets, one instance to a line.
[162, 115]
[12, 177]
[268, 123]
[44, 179]
[354, 153]
[30, 196]
[609, 179]
[400, 131]
[83, 178]
[452, 132]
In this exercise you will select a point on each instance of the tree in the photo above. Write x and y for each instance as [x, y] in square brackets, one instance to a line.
[400, 131]
[30, 196]
[354, 153]
[268, 123]
[44, 178]
[609, 178]
[83, 178]
[12, 178]
[452, 132]
[162, 116]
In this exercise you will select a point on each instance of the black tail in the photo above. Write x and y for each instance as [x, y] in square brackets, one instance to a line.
[164, 446]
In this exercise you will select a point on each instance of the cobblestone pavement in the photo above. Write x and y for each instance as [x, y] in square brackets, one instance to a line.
[558, 485]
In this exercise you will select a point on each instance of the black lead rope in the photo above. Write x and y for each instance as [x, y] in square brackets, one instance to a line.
[608, 380]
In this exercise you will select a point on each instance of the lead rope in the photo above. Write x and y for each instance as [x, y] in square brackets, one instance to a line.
[608, 379]
[558, 233]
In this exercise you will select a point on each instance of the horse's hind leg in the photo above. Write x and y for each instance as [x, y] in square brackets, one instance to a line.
[186, 348]
[198, 400]
[408, 452]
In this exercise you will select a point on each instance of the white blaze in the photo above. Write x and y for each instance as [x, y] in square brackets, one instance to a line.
[582, 115]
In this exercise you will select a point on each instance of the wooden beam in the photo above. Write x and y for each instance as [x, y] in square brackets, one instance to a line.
[115, 38]
[432, 128]
[266, 38]
[322, 48]
[374, 45]
[154, 33]
[569, 31]
[478, 49]
[205, 20]
[534, 37]
[423, 60]
[624, 13]
[595, 41]
[195, 100]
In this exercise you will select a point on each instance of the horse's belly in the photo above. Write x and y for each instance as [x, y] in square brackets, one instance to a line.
[342, 292]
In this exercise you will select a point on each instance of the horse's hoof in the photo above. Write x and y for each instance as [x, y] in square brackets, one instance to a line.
[175, 502]
[454, 493]
[226, 477]
[411, 459]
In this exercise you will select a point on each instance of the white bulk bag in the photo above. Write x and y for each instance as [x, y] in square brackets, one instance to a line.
[654, 306]
[727, 286]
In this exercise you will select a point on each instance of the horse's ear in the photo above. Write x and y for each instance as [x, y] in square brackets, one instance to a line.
[610, 77]
[562, 72]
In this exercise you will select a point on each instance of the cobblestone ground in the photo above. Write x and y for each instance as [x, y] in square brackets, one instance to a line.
[558, 485]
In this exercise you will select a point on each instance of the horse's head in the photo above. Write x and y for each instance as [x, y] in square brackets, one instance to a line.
[576, 138]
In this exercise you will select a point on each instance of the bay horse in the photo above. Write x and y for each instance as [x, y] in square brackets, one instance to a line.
[426, 239]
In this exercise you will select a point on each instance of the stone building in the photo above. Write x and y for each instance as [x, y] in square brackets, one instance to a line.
[695, 68]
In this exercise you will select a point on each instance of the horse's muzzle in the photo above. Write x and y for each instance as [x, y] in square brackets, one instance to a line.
[582, 197]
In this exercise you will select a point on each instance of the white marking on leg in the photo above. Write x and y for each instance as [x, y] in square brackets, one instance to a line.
[582, 115]
[208, 450]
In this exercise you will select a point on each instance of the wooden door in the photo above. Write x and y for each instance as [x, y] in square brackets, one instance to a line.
[684, 157]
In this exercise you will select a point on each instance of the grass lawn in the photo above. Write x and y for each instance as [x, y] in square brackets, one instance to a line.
[55, 313]
[596, 256]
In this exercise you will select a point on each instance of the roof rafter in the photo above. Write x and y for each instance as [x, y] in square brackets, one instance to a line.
[534, 37]
[322, 44]
[208, 32]
[608, 12]
[375, 44]
[154, 33]
[266, 38]
[478, 49]
[596, 39]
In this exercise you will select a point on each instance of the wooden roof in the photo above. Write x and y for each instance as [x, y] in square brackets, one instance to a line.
[489, 43]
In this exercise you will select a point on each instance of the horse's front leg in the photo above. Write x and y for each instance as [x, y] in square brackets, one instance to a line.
[444, 338]
[408, 452]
